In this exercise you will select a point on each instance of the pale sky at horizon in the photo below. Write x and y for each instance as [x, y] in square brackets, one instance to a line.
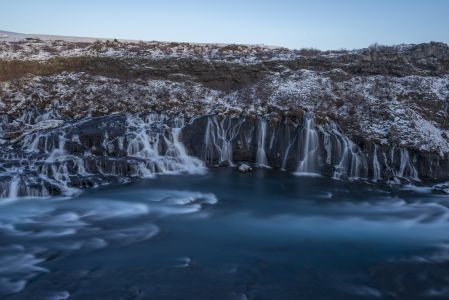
[322, 24]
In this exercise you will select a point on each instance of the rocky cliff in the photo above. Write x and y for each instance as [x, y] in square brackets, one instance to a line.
[76, 114]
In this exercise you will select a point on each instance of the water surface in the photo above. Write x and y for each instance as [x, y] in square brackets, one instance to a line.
[227, 235]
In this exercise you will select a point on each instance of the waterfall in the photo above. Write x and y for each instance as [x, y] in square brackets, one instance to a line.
[287, 150]
[14, 188]
[273, 135]
[327, 143]
[191, 165]
[19, 186]
[248, 137]
[140, 143]
[31, 142]
[218, 138]
[3, 122]
[58, 153]
[209, 141]
[352, 164]
[376, 166]
[309, 147]
[405, 161]
[55, 161]
[58, 175]
[406, 168]
[143, 143]
[261, 157]
[80, 167]
[147, 140]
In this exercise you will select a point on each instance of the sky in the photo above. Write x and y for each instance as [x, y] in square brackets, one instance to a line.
[322, 24]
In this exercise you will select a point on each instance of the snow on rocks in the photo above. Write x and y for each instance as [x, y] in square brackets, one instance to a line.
[244, 168]
[42, 48]
[370, 93]
[411, 112]
[442, 188]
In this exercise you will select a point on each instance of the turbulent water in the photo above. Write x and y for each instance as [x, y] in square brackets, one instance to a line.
[120, 148]
[227, 235]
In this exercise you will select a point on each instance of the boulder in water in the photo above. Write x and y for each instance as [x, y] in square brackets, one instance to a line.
[442, 188]
[244, 168]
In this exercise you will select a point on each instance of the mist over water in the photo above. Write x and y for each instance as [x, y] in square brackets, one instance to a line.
[227, 235]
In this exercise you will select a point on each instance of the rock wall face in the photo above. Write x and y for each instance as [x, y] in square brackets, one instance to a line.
[306, 148]
[119, 148]
[94, 152]
[83, 114]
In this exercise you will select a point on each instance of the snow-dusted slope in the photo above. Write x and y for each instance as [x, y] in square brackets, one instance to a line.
[8, 36]
[409, 111]
[41, 47]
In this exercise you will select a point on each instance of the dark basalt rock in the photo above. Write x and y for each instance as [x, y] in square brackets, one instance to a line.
[283, 147]
[109, 149]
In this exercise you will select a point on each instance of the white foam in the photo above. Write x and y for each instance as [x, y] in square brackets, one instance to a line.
[102, 210]
[418, 189]
[184, 262]
[179, 210]
[442, 293]
[307, 174]
[9, 286]
[181, 197]
[125, 236]
[53, 233]
[17, 263]
[364, 291]
[327, 195]
[58, 296]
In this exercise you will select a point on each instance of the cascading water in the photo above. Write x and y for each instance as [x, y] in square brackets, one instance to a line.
[31, 142]
[52, 159]
[291, 140]
[14, 188]
[248, 137]
[218, 138]
[309, 147]
[376, 165]
[56, 159]
[261, 157]
[327, 143]
[352, 162]
[189, 164]
[273, 135]
[406, 168]
[59, 152]
[147, 140]
[143, 143]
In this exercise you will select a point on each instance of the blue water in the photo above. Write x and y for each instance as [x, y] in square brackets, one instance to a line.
[227, 235]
